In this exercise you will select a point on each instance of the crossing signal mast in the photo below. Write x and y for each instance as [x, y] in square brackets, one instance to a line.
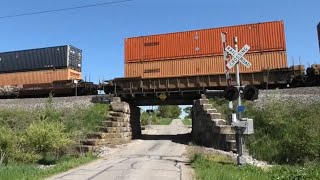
[244, 126]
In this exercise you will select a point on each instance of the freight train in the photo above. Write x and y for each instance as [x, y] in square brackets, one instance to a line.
[39, 72]
[193, 61]
[294, 76]
[56, 89]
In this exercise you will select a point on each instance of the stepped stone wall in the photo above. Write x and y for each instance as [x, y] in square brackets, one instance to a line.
[122, 124]
[208, 129]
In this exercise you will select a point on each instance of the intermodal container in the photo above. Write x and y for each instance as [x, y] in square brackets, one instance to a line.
[318, 28]
[58, 57]
[262, 37]
[38, 77]
[203, 65]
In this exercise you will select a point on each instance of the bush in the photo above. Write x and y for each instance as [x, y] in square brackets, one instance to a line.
[8, 144]
[45, 137]
[11, 149]
[147, 119]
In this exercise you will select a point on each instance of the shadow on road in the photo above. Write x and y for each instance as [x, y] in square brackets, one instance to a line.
[179, 138]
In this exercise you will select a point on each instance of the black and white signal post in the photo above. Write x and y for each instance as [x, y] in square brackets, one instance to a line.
[244, 126]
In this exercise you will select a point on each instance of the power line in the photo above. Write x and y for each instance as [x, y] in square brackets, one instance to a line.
[64, 9]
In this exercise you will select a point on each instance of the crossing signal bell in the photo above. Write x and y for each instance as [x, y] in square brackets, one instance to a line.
[249, 93]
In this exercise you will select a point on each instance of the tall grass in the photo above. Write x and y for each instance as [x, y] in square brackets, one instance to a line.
[285, 133]
[220, 167]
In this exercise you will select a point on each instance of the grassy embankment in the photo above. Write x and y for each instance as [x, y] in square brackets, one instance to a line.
[165, 121]
[47, 136]
[187, 122]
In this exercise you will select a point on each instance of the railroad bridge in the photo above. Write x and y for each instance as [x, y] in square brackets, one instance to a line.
[208, 128]
[123, 124]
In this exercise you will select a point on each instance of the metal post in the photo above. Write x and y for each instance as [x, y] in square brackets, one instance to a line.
[224, 45]
[239, 138]
[237, 74]
[76, 89]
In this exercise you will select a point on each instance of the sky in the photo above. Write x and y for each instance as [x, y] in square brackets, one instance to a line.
[100, 31]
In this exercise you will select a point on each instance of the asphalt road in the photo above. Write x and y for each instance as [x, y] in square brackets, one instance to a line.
[159, 155]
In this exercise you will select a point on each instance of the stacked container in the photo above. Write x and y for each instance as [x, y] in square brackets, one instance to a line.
[199, 52]
[38, 77]
[38, 66]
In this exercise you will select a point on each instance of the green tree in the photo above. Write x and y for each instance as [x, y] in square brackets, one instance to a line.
[147, 118]
[187, 110]
[144, 118]
[169, 111]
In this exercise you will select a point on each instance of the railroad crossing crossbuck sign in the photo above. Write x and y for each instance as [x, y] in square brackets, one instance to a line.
[238, 56]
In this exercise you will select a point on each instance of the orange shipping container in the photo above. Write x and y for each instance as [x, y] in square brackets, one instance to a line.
[203, 65]
[262, 37]
[38, 77]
